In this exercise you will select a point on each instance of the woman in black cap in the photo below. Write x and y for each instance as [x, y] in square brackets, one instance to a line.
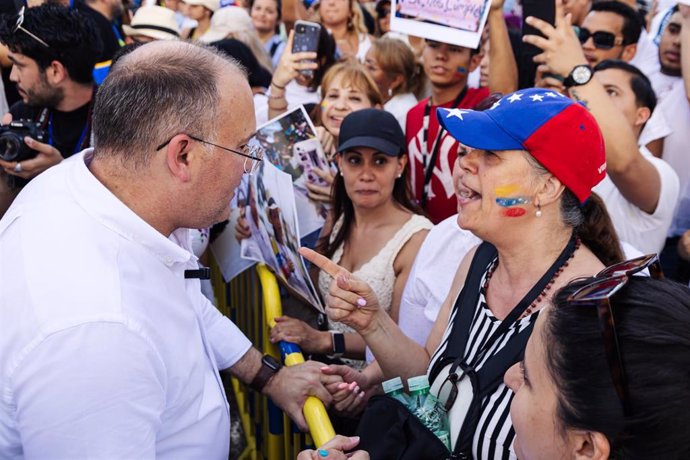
[375, 230]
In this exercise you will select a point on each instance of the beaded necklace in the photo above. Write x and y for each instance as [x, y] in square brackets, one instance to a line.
[528, 311]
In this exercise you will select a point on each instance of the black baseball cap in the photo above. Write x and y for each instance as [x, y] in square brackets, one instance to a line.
[373, 128]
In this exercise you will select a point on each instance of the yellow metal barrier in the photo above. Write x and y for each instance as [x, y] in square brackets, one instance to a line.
[252, 301]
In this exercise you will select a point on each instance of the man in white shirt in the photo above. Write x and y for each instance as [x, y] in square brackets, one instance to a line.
[640, 190]
[670, 76]
[108, 348]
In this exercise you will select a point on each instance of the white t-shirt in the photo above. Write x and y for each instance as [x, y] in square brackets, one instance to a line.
[646, 232]
[431, 276]
[399, 105]
[673, 102]
[106, 349]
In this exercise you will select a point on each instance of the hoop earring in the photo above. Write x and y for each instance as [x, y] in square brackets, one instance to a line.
[538, 213]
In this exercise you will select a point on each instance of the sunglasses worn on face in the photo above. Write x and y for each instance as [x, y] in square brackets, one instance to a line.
[602, 40]
[18, 26]
[598, 294]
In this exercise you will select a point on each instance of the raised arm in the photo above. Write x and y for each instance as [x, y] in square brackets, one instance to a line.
[633, 174]
[503, 74]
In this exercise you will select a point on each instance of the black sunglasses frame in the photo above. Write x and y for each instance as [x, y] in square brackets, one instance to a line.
[602, 40]
[598, 294]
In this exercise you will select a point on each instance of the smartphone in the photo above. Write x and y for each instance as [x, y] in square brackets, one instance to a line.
[306, 39]
[307, 155]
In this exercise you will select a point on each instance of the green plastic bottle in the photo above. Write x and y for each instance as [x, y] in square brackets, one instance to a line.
[419, 390]
[394, 389]
[427, 408]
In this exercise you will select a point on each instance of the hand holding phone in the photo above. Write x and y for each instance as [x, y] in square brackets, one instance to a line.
[306, 39]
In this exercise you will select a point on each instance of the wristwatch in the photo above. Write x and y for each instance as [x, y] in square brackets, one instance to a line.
[580, 75]
[338, 339]
[269, 367]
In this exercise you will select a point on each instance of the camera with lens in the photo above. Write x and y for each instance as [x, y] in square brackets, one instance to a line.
[12, 145]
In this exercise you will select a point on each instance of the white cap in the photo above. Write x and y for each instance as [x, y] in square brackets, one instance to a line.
[212, 5]
[225, 21]
[155, 22]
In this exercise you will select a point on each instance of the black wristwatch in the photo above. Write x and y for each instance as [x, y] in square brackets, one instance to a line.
[269, 367]
[338, 339]
[580, 75]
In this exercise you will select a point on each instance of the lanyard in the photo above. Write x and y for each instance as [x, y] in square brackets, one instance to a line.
[432, 154]
[46, 114]
[120, 40]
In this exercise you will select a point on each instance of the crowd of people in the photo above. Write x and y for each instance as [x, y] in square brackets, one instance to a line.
[511, 219]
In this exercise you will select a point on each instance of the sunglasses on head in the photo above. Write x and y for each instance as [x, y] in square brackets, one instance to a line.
[18, 26]
[602, 40]
[598, 293]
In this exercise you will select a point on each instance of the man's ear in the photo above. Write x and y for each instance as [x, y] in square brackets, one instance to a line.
[475, 60]
[629, 52]
[642, 115]
[56, 73]
[177, 157]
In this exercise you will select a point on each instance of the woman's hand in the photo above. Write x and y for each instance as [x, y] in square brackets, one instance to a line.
[334, 449]
[291, 63]
[350, 300]
[300, 333]
[561, 48]
[350, 396]
[327, 141]
[242, 230]
[318, 192]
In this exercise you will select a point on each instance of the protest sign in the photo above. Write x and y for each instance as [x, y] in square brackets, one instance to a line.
[458, 22]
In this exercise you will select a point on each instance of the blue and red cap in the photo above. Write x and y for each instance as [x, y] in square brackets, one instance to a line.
[558, 132]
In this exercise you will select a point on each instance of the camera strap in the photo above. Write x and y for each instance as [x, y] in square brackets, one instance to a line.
[45, 121]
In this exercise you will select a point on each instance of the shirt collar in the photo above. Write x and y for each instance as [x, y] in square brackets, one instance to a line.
[107, 209]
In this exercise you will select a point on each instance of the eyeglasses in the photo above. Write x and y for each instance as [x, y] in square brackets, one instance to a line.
[252, 154]
[18, 26]
[598, 294]
[602, 40]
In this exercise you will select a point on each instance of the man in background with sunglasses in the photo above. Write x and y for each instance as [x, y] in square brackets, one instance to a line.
[53, 51]
[640, 191]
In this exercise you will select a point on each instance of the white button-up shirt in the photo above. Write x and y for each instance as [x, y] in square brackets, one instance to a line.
[106, 350]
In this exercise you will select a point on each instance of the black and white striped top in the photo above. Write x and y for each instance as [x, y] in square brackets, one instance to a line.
[494, 436]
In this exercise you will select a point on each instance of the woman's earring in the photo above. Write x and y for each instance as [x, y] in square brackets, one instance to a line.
[390, 92]
[538, 213]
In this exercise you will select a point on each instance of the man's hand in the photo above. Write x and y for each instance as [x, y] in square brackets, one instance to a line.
[47, 156]
[290, 387]
[334, 449]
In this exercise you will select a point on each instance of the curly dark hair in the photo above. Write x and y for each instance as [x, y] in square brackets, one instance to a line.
[72, 39]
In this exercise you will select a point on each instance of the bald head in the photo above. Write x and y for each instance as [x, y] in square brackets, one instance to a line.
[158, 90]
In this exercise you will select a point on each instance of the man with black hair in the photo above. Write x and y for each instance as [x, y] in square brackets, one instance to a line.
[611, 30]
[53, 53]
[640, 191]
[432, 152]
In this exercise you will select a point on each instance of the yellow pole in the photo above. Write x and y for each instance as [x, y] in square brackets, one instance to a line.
[314, 411]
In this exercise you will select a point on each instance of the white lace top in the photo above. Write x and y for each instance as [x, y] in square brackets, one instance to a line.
[378, 271]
